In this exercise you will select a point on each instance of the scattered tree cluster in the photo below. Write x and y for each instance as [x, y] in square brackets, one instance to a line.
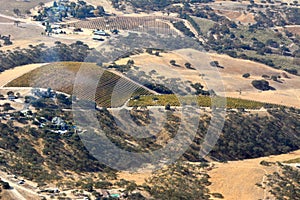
[77, 51]
[58, 11]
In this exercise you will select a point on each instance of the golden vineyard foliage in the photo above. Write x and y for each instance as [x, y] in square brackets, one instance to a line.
[203, 101]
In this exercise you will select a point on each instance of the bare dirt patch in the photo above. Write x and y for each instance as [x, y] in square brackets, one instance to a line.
[294, 29]
[5, 20]
[238, 16]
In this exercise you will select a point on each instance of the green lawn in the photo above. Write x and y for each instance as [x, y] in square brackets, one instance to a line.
[205, 24]
[261, 35]
[283, 61]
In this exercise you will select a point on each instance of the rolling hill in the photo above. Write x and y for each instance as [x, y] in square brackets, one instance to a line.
[231, 72]
[61, 77]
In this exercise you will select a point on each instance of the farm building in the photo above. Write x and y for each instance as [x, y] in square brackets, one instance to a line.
[100, 32]
[98, 37]
[49, 93]
[58, 31]
[59, 122]
[56, 26]
[11, 97]
[26, 112]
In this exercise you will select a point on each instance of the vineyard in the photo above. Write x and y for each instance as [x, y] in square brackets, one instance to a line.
[203, 101]
[157, 24]
[61, 77]
[112, 90]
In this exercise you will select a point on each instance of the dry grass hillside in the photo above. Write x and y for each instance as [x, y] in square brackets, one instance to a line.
[287, 87]
[30, 34]
[236, 180]
[7, 6]
[9, 75]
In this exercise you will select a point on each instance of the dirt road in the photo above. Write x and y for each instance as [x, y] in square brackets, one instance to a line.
[19, 192]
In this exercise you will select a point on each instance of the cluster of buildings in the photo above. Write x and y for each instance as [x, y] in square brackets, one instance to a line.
[57, 124]
[41, 93]
[63, 9]
[101, 34]
[57, 29]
